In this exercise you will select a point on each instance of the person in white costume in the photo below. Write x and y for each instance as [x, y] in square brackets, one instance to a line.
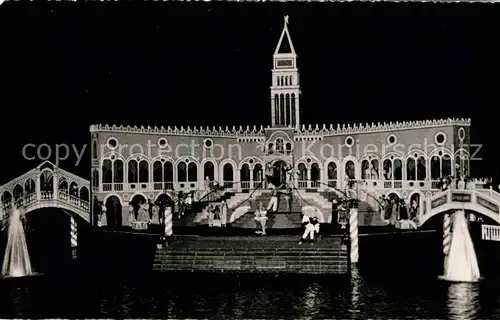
[273, 202]
[261, 219]
[102, 217]
[311, 225]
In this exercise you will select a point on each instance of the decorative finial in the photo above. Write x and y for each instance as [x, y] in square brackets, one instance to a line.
[286, 20]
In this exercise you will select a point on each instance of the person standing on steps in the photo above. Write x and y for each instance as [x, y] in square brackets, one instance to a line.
[223, 213]
[273, 202]
[269, 174]
[288, 197]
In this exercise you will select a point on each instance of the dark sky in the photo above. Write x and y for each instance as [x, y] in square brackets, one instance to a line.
[65, 66]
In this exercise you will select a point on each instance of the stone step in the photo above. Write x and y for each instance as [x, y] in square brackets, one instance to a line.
[275, 221]
[297, 253]
[287, 264]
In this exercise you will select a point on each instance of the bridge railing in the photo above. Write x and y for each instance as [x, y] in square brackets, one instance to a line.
[485, 198]
[490, 232]
[492, 194]
[65, 197]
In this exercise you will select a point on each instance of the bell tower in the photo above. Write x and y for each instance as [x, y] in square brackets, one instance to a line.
[285, 88]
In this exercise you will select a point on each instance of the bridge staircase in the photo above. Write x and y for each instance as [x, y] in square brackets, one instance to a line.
[271, 254]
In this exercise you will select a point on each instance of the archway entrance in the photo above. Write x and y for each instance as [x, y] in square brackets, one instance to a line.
[137, 201]
[113, 212]
[279, 177]
[163, 199]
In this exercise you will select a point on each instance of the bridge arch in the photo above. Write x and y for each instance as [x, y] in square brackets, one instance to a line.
[84, 193]
[462, 206]
[46, 180]
[6, 198]
[18, 192]
[29, 186]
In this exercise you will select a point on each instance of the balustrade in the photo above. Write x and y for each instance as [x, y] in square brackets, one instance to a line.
[489, 232]
[245, 185]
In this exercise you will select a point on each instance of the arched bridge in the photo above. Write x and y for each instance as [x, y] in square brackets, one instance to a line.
[483, 201]
[48, 186]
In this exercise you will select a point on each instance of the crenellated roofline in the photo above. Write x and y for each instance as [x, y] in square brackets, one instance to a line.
[258, 131]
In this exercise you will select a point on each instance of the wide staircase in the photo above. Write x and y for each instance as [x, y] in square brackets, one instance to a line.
[369, 213]
[272, 254]
[283, 218]
[189, 220]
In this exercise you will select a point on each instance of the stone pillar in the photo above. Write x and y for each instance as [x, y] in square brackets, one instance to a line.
[73, 237]
[55, 185]
[251, 179]
[446, 239]
[273, 111]
[297, 112]
[309, 178]
[353, 232]
[38, 188]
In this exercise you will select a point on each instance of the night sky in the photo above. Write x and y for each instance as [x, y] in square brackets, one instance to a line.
[66, 66]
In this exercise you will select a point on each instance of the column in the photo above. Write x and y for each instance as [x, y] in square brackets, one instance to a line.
[353, 233]
[273, 110]
[55, 185]
[251, 179]
[37, 187]
[308, 177]
[297, 114]
[446, 240]
[279, 110]
[73, 237]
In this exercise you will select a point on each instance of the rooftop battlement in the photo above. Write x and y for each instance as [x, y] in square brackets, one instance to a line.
[258, 131]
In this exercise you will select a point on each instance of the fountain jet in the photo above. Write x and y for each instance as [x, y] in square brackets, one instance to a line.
[461, 264]
[16, 262]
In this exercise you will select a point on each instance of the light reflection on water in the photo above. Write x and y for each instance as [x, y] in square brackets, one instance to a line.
[463, 301]
[236, 297]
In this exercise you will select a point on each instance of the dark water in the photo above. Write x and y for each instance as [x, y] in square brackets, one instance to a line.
[396, 279]
[231, 296]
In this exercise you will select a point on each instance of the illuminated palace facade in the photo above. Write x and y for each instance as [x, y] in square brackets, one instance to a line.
[406, 158]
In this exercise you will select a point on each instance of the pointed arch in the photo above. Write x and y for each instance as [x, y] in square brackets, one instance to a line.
[331, 171]
[370, 167]
[312, 159]
[345, 161]
[221, 169]
[416, 165]
[203, 165]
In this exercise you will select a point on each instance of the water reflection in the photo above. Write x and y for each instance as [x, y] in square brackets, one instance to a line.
[463, 301]
[311, 300]
[355, 295]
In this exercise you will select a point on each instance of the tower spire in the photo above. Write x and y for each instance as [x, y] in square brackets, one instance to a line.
[285, 44]
[285, 88]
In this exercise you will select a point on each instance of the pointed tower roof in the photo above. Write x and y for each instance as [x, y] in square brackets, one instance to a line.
[285, 45]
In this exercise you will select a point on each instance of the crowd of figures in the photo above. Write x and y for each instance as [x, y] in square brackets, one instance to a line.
[462, 183]
[397, 210]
